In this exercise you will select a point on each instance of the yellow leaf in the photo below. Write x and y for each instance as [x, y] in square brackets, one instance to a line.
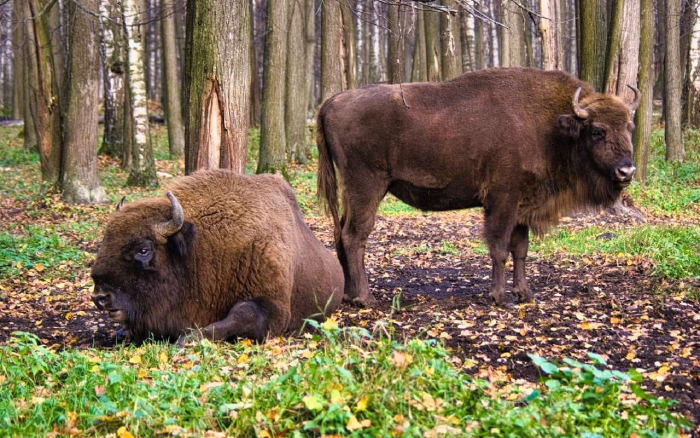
[68, 315]
[337, 397]
[246, 342]
[400, 359]
[142, 374]
[631, 355]
[362, 403]
[663, 370]
[136, 359]
[123, 433]
[614, 320]
[353, 424]
[264, 434]
[39, 267]
[163, 357]
[243, 358]
[95, 368]
[330, 324]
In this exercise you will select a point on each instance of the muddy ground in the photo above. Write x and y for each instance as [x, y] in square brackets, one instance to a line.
[431, 279]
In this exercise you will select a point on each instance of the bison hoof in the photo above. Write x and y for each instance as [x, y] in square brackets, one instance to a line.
[502, 300]
[366, 301]
[524, 296]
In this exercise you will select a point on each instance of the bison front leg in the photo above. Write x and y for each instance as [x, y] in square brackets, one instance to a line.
[247, 319]
[499, 223]
[519, 241]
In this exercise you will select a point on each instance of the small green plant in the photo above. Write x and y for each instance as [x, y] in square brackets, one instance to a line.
[448, 248]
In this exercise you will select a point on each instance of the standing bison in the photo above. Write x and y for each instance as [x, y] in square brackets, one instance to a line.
[224, 252]
[527, 145]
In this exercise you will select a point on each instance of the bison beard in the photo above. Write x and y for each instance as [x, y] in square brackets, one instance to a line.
[224, 252]
[526, 145]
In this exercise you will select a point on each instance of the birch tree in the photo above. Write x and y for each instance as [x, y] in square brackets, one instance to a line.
[142, 171]
[467, 35]
[114, 76]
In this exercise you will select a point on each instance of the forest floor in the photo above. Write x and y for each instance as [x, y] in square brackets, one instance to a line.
[628, 291]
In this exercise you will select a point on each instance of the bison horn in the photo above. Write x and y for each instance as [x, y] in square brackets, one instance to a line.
[172, 226]
[637, 96]
[580, 112]
[120, 204]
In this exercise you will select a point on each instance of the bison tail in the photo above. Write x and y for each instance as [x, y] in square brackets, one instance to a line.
[327, 189]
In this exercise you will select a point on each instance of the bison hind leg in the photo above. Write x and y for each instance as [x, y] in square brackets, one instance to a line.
[519, 241]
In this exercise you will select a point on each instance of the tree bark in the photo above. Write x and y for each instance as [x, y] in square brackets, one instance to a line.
[396, 34]
[80, 182]
[450, 56]
[331, 46]
[479, 45]
[272, 129]
[513, 35]
[643, 117]
[432, 45]
[114, 76]
[310, 50]
[673, 84]
[693, 93]
[217, 84]
[350, 44]
[376, 72]
[296, 96]
[593, 34]
[467, 36]
[419, 72]
[142, 171]
[173, 99]
[42, 88]
[625, 66]
[18, 88]
[613, 45]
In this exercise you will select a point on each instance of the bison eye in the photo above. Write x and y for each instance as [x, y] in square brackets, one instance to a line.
[144, 251]
[597, 134]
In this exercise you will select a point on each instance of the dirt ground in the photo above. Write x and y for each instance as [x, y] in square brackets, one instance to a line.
[430, 279]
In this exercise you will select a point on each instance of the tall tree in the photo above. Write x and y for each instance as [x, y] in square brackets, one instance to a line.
[79, 171]
[614, 31]
[642, 119]
[272, 130]
[625, 60]
[310, 51]
[349, 43]
[42, 87]
[114, 76]
[18, 88]
[593, 40]
[673, 78]
[419, 71]
[142, 170]
[433, 58]
[451, 53]
[173, 100]
[375, 65]
[467, 36]
[396, 35]
[217, 84]
[548, 27]
[331, 46]
[513, 35]
[296, 96]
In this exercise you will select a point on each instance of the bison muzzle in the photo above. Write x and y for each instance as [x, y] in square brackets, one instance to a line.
[526, 145]
[229, 254]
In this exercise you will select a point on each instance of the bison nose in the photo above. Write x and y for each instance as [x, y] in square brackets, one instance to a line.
[625, 173]
[102, 300]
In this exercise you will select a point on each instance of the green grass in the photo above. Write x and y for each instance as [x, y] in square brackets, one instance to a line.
[38, 247]
[675, 250]
[328, 387]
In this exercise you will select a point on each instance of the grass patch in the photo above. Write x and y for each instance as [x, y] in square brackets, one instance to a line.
[328, 387]
[673, 249]
[37, 248]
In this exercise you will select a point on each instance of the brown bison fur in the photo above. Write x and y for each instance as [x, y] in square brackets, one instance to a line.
[241, 263]
[520, 143]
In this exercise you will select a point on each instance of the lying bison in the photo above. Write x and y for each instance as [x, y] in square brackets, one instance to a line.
[527, 145]
[224, 252]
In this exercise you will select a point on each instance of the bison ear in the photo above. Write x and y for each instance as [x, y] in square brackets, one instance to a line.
[570, 126]
[182, 242]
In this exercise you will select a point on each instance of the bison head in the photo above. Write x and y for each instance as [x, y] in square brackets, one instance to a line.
[140, 272]
[601, 126]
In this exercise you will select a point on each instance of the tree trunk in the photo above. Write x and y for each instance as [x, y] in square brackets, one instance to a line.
[310, 52]
[80, 182]
[625, 65]
[114, 76]
[613, 46]
[42, 87]
[419, 72]
[513, 36]
[217, 84]
[350, 44]
[479, 45]
[366, 43]
[467, 36]
[272, 130]
[643, 117]
[296, 96]
[450, 61]
[396, 34]
[431, 20]
[331, 46]
[673, 84]
[173, 99]
[142, 171]
[375, 68]
[255, 89]
[18, 88]
[693, 96]
[593, 33]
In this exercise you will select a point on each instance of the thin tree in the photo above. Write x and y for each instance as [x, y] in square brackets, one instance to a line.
[547, 27]
[331, 46]
[142, 170]
[349, 43]
[513, 35]
[296, 97]
[310, 52]
[642, 118]
[114, 76]
[42, 87]
[217, 84]
[625, 61]
[18, 89]
[432, 45]
[79, 170]
[395, 58]
[592, 42]
[614, 34]
[467, 36]
[419, 71]
[691, 113]
[173, 100]
[673, 83]
[451, 52]
[272, 130]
